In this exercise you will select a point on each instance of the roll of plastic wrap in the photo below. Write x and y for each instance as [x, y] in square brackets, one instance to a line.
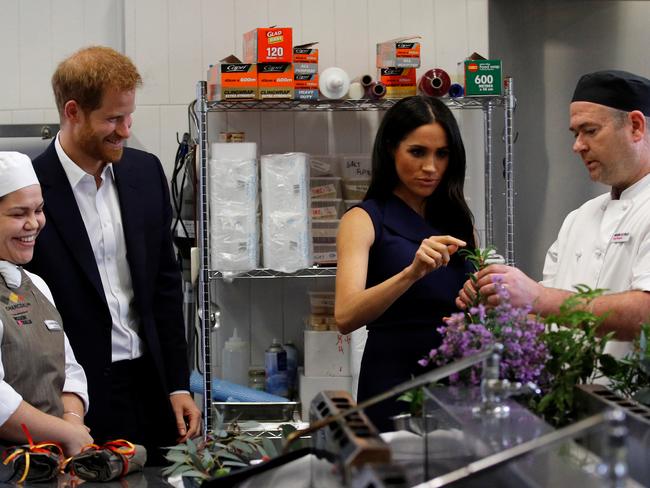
[334, 83]
[365, 80]
[376, 90]
[435, 83]
[225, 391]
[356, 91]
[456, 90]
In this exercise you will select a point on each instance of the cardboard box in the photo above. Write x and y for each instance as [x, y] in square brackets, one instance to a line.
[268, 45]
[399, 82]
[305, 53]
[230, 79]
[305, 86]
[483, 77]
[402, 52]
[327, 353]
[275, 81]
[311, 386]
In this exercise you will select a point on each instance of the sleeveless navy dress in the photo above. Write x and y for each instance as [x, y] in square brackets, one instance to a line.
[406, 331]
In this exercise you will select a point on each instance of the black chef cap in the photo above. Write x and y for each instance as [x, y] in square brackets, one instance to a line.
[617, 89]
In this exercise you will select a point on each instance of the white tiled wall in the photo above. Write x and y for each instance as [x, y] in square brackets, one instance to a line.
[173, 41]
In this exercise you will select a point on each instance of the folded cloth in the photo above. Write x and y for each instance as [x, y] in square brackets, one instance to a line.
[113, 460]
[33, 463]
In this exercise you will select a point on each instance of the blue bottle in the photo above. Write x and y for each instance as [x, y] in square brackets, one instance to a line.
[292, 367]
[275, 367]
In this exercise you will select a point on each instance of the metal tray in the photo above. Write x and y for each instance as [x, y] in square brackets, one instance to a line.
[258, 411]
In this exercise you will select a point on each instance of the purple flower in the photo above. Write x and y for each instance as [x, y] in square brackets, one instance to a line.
[465, 334]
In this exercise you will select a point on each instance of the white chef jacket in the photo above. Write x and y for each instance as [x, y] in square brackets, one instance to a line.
[75, 378]
[605, 244]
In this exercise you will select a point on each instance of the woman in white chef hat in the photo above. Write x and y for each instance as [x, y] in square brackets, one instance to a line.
[41, 384]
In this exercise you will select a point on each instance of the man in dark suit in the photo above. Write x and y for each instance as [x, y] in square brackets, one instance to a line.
[108, 258]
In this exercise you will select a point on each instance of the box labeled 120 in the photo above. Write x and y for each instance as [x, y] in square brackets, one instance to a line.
[268, 45]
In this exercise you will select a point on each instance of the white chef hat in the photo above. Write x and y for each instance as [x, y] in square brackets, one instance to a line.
[16, 172]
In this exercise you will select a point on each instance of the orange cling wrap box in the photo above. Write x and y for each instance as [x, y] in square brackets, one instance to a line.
[305, 53]
[232, 81]
[403, 52]
[275, 80]
[268, 45]
[305, 86]
[399, 82]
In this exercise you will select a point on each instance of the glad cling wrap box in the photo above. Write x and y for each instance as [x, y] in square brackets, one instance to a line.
[230, 79]
[268, 45]
[275, 80]
[399, 82]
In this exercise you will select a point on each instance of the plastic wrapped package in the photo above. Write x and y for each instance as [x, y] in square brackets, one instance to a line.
[234, 223]
[234, 240]
[286, 232]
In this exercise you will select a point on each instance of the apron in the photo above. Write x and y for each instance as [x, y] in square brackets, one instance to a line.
[33, 351]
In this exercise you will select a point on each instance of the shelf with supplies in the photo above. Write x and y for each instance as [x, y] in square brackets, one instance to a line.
[340, 105]
[199, 114]
[312, 272]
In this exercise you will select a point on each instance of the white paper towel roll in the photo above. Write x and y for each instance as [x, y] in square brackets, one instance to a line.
[356, 91]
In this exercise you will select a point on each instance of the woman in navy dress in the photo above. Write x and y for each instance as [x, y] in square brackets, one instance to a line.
[398, 269]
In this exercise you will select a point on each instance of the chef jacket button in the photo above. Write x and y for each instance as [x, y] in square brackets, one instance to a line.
[107, 372]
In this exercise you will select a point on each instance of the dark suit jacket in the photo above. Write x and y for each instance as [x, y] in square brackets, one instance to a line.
[63, 257]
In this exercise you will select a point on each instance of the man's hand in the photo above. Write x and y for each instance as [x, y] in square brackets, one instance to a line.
[188, 416]
[523, 290]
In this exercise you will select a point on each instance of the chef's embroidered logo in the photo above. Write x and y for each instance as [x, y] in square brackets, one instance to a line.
[15, 304]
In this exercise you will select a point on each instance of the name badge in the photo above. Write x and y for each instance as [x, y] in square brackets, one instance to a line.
[52, 325]
[621, 237]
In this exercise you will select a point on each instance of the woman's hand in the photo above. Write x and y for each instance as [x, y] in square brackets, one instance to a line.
[75, 437]
[434, 252]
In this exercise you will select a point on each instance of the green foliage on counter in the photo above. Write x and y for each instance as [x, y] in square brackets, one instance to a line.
[576, 355]
[630, 376]
[228, 448]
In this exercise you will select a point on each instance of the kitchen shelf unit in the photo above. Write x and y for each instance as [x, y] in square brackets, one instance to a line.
[201, 109]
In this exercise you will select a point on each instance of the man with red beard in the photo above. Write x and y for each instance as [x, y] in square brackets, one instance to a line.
[107, 255]
[606, 242]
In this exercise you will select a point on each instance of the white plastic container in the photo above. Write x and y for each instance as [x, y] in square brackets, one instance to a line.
[235, 360]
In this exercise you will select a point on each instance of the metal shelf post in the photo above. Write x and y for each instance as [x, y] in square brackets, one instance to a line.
[509, 173]
[201, 110]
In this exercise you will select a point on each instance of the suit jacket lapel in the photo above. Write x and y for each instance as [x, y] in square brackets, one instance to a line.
[132, 220]
[61, 207]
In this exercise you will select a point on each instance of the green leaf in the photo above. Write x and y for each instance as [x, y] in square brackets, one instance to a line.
[223, 454]
[238, 464]
[191, 446]
[192, 473]
[176, 456]
[242, 446]
[269, 447]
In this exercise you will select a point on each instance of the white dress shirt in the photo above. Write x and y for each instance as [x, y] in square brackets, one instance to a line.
[75, 378]
[102, 217]
[605, 244]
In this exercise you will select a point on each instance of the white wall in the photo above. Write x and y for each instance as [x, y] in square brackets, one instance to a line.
[173, 41]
